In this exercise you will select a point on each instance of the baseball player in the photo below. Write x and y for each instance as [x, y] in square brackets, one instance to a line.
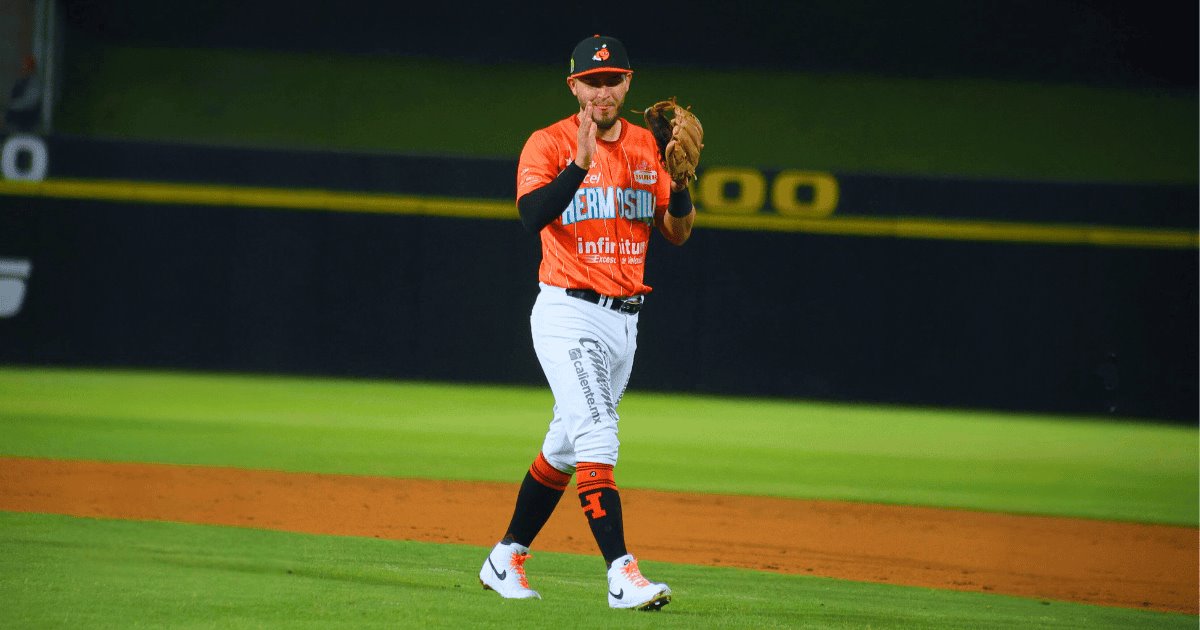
[593, 186]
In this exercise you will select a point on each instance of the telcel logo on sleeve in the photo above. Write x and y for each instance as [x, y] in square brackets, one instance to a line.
[13, 274]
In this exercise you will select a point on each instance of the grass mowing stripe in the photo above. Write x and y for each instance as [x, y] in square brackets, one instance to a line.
[989, 461]
[57, 570]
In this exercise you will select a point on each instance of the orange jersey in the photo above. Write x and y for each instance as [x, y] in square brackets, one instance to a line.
[599, 241]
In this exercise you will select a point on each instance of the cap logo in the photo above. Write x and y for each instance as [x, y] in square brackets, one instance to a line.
[601, 53]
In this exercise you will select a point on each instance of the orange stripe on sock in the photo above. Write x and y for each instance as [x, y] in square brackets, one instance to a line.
[591, 477]
[548, 475]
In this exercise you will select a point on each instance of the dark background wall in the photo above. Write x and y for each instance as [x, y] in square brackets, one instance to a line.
[1110, 42]
[1019, 326]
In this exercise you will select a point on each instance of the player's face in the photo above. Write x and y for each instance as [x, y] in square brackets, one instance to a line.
[606, 92]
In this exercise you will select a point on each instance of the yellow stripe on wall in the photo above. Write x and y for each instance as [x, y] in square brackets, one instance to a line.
[965, 230]
[251, 197]
[334, 201]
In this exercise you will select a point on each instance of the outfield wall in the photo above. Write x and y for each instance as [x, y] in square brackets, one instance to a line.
[1040, 297]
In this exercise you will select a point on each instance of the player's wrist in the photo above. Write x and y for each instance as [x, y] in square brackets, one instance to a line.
[681, 202]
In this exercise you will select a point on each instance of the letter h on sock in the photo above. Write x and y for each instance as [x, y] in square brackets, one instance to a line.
[601, 502]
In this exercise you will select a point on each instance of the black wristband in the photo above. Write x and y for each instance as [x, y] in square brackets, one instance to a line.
[681, 203]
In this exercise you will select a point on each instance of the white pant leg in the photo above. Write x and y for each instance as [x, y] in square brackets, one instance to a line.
[586, 352]
[623, 358]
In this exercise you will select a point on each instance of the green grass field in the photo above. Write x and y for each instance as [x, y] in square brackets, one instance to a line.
[58, 571]
[62, 571]
[968, 128]
[979, 460]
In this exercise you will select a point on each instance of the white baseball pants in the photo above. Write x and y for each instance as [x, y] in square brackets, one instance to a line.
[586, 351]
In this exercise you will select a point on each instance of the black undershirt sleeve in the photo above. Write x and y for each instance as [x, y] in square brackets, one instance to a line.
[539, 207]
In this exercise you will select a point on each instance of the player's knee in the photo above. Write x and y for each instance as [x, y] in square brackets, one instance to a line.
[562, 462]
[600, 447]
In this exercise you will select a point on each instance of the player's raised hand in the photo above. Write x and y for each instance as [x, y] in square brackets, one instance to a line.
[587, 139]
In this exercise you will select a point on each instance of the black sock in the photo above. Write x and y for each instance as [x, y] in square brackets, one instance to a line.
[603, 508]
[535, 504]
[601, 502]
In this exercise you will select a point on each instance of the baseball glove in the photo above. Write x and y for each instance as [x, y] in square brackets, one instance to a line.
[680, 138]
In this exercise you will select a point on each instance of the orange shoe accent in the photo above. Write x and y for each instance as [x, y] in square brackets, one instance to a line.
[590, 477]
[548, 475]
[634, 574]
[518, 567]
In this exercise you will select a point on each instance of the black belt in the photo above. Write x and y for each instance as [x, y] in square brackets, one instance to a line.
[625, 305]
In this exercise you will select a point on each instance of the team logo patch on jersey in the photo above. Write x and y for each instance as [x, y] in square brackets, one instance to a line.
[645, 177]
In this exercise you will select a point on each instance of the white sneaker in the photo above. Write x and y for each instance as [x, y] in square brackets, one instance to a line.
[628, 589]
[504, 572]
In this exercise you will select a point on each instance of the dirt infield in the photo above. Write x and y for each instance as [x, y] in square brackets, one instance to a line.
[1095, 562]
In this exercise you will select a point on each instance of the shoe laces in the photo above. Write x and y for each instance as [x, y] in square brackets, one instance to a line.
[518, 567]
[633, 574]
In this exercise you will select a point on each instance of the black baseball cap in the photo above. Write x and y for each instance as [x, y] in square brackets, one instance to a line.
[599, 54]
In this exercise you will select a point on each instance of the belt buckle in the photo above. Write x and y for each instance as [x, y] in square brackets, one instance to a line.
[631, 305]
